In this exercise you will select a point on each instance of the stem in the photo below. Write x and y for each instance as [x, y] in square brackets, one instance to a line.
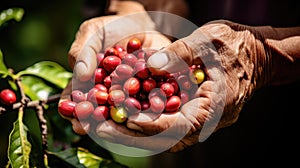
[32, 104]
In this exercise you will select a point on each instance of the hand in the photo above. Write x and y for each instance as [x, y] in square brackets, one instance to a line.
[236, 64]
[97, 34]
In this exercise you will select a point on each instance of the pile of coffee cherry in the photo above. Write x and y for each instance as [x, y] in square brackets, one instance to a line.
[123, 85]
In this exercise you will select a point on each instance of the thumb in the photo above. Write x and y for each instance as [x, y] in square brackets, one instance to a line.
[175, 57]
[195, 49]
[82, 54]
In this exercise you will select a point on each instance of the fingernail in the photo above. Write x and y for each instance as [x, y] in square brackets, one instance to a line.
[134, 127]
[80, 71]
[158, 60]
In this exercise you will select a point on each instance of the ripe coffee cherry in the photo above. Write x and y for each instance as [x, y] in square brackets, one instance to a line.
[111, 62]
[148, 84]
[107, 81]
[145, 105]
[197, 76]
[66, 108]
[115, 78]
[129, 59]
[174, 83]
[99, 75]
[173, 104]
[140, 70]
[168, 89]
[100, 58]
[101, 87]
[133, 45]
[83, 110]
[115, 87]
[116, 97]
[157, 105]
[132, 86]
[119, 48]
[132, 105]
[124, 71]
[118, 114]
[101, 97]
[77, 96]
[111, 52]
[8, 97]
[101, 113]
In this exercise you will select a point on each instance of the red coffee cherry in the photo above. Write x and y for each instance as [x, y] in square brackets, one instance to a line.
[140, 70]
[133, 45]
[116, 97]
[157, 105]
[132, 86]
[111, 62]
[66, 108]
[148, 85]
[173, 104]
[132, 105]
[129, 59]
[99, 75]
[101, 87]
[100, 58]
[168, 89]
[101, 97]
[124, 71]
[101, 113]
[111, 52]
[78, 96]
[83, 110]
[8, 97]
[107, 81]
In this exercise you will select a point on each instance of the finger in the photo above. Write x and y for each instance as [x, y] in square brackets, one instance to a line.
[117, 133]
[201, 113]
[82, 54]
[176, 124]
[195, 49]
[81, 127]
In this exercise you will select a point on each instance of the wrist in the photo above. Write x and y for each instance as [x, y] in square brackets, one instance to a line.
[282, 53]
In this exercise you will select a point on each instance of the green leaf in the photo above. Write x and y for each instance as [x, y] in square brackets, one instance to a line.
[19, 147]
[92, 161]
[11, 13]
[36, 88]
[49, 71]
[67, 157]
[3, 69]
[81, 158]
[88, 159]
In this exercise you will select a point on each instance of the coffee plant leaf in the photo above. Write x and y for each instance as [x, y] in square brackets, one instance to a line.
[67, 157]
[19, 147]
[3, 69]
[11, 14]
[36, 88]
[50, 71]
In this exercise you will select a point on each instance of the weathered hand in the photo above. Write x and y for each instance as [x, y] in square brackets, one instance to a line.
[236, 64]
[96, 34]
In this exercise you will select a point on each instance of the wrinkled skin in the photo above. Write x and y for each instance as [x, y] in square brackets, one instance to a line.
[238, 60]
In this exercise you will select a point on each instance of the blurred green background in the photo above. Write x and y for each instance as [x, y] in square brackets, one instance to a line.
[45, 32]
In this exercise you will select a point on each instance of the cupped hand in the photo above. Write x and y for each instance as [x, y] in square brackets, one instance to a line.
[235, 62]
[97, 34]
